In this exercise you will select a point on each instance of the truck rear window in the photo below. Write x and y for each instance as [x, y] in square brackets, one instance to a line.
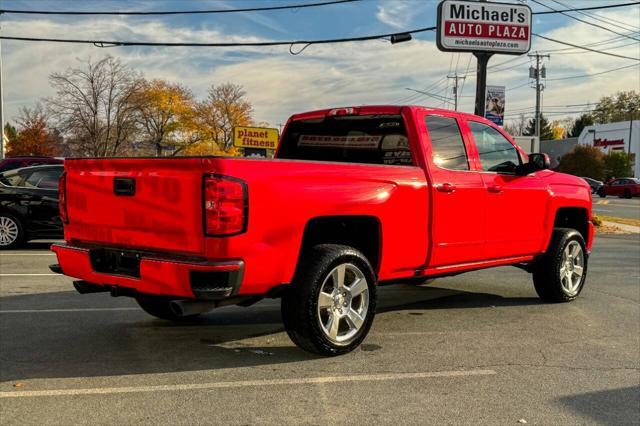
[371, 139]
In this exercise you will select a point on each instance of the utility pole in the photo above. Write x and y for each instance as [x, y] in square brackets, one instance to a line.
[455, 88]
[537, 72]
[481, 80]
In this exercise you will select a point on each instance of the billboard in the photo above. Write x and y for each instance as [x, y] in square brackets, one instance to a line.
[494, 104]
[255, 137]
[472, 26]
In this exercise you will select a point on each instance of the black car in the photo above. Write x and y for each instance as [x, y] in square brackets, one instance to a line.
[594, 184]
[29, 205]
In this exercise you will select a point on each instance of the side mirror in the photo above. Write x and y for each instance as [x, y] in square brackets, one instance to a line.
[541, 161]
[536, 162]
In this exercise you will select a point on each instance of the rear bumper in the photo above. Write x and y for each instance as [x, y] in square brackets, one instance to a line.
[157, 275]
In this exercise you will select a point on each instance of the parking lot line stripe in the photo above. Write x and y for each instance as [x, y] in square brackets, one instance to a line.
[247, 383]
[27, 275]
[34, 311]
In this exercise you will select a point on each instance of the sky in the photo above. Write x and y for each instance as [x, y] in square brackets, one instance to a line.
[279, 84]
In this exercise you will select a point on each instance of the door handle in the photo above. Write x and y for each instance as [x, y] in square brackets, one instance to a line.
[446, 187]
[494, 188]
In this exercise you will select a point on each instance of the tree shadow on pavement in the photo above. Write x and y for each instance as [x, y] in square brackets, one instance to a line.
[127, 341]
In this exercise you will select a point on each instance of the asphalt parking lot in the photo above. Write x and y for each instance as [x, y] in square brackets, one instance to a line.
[476, 348]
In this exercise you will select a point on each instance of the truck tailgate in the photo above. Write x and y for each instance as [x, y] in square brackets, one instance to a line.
[153, 204]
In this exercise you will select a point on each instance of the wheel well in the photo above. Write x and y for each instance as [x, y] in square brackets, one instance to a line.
[575, 218]
[360, 232]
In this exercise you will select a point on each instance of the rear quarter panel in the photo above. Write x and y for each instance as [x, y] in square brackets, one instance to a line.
[285, 194]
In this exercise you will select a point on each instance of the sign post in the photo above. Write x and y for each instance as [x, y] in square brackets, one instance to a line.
[481, 81]
[484, 29]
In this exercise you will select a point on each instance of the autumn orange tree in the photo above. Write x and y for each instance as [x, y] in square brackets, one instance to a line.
[225, 107]
[165, 114]
[34, 137]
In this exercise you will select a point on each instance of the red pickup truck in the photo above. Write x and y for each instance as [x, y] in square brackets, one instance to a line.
[356, 197]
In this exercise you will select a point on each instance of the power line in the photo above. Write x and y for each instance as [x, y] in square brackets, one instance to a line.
[253, 9]
[177, 12]
[585, 48]
[578, 76]
[609, 6]
[575, 52]
[106, 43]
[583, 21]
[591, 75]
[597, 43]
[600, 17]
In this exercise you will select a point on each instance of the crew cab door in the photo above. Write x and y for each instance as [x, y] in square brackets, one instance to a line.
[515, 205]
[458, 194]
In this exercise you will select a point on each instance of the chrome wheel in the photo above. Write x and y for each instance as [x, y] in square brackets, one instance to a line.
[572, 268]
[8, 231]
[343, 303]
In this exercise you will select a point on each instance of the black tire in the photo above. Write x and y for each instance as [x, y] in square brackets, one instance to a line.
[300, 312]
[547, 274]
[627, 193]
[159, 307]
[602, 194]
[8, 220]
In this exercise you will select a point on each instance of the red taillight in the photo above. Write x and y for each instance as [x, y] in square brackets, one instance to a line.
[62, 197]
[225, 206]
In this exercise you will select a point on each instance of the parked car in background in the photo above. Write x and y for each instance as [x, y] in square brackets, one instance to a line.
[622, 187]
[29, 205]
[594, 184]
[13, 163]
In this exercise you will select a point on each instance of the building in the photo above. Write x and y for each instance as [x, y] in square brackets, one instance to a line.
[557, 148]
[529, 144]
[622, 136]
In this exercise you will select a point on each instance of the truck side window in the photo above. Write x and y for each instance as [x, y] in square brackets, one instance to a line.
[447, 145]
[496, 153]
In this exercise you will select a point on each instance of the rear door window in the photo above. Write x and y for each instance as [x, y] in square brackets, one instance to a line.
[44, 179]
[496, 153]
[447, 146]
[370, 139]
[12, 178]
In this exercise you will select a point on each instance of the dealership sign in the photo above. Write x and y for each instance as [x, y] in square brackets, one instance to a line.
[255, 137]
[471, 26]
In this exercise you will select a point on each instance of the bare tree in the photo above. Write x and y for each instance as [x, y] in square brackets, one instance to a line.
[516, 127]
[225, 108]
[93, 107]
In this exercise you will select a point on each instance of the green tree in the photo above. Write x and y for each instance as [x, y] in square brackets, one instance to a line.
[618, 164]
[622, 106]
[546, 131]
[585, 161]
[579, 124]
